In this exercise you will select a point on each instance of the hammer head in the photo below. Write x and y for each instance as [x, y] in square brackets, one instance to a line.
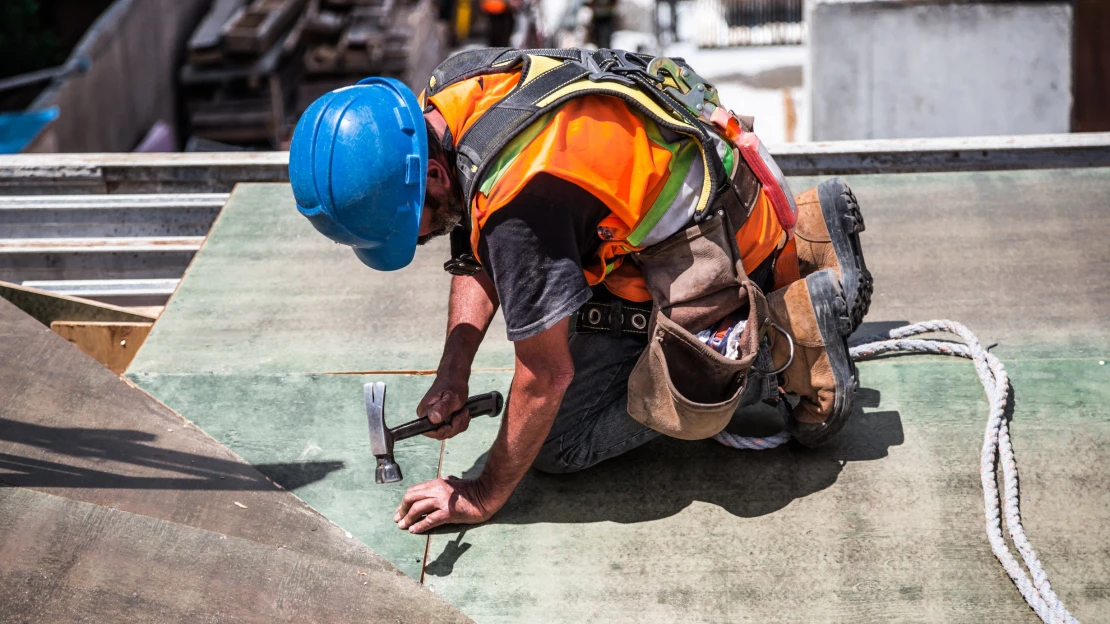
[381, 440]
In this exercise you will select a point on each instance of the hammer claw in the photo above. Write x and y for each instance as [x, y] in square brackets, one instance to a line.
[381, 443]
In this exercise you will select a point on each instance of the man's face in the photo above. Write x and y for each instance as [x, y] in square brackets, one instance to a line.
[443, 206]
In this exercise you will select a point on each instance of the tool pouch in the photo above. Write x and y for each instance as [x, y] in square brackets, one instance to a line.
[680, 387]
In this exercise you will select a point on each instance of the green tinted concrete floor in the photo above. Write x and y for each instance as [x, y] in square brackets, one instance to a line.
[318, 420]
[268, 294]
[884, 525]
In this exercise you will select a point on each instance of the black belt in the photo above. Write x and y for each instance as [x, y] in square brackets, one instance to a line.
[616, 317]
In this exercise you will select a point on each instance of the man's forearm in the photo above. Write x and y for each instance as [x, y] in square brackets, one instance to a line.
[544, 369]
[472, 306]
[535, 399]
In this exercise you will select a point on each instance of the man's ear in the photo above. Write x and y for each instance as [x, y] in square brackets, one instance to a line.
[437, 175]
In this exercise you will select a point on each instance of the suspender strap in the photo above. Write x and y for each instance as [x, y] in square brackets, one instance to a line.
[502, 122]
[480, 62]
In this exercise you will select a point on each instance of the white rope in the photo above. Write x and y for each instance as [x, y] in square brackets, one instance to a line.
[997, 450]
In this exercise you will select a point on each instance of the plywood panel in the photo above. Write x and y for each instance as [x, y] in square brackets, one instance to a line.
[112, 344]
[47, 307]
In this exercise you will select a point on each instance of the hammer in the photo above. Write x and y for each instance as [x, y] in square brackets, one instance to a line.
[382, 438]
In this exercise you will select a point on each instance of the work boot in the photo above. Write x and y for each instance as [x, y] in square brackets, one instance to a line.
[809, 346]
[827, 237]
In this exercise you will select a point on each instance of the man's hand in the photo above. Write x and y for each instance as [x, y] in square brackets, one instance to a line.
[444, 501]
[447, 395]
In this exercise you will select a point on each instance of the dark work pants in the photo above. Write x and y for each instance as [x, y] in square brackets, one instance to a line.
[593, 422]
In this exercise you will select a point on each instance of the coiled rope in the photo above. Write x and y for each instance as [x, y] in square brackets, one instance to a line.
[997, 450]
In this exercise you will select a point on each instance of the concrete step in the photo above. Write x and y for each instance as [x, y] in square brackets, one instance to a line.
[122, 292]
[36, 259]
[154, 215]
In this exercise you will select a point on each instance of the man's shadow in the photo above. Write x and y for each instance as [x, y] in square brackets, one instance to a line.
[666, 475]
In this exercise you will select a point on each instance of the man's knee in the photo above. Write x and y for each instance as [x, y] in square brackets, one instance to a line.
[552, 460]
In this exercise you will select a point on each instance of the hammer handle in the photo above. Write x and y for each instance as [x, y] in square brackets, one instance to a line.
[488, 404]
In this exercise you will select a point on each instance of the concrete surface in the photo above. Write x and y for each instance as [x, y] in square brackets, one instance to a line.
[114, 508]
[68, 561]
[1019, 257]
[889, 69]
[883, 525]
[274, 329]
[269, 294]
[309, 434]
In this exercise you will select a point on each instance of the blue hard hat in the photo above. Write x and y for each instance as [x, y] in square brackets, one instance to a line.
[358, 164]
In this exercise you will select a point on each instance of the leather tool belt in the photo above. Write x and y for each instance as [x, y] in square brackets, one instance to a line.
[617, 317]
[681, 387]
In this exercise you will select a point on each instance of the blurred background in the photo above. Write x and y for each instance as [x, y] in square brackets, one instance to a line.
[224, 75]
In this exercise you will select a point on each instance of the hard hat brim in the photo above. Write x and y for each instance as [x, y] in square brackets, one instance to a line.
[395, 252]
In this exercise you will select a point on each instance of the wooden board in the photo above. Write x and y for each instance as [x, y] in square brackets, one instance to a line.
[254, 29]
[47, 307]
[204, 44]
[112, 344]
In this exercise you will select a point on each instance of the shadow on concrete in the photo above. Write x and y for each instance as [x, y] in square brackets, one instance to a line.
[75, 457]
[871, 328]
[444, 564]
[666, 475]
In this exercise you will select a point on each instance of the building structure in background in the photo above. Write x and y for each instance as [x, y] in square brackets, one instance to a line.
[164, 74]
[723, 23]
[882, 69]
[254, 65]
[250, 67]
[1092, 66]
[129, 56]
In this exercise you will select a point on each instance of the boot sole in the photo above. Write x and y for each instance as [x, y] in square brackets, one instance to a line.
[831, 311]
[844, 221]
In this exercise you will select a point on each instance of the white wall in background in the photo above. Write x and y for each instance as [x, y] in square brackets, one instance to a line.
[881, 69]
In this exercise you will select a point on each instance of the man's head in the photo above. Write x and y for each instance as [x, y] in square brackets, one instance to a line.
[362, 173]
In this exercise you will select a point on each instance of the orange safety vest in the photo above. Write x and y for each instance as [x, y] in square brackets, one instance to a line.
[650, 178]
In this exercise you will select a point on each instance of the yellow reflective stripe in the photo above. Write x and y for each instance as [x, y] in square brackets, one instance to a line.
[640, 97]
[707, 183]
[538, 66]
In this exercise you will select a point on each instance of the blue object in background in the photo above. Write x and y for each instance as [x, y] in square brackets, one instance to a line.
[358, 164]
[19, 129]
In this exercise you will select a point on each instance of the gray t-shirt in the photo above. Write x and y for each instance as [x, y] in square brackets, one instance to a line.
[534, 248]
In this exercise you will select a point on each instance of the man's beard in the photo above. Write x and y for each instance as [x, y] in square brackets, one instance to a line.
[446, 216]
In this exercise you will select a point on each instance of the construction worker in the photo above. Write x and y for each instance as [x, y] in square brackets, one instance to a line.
[607, 197]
